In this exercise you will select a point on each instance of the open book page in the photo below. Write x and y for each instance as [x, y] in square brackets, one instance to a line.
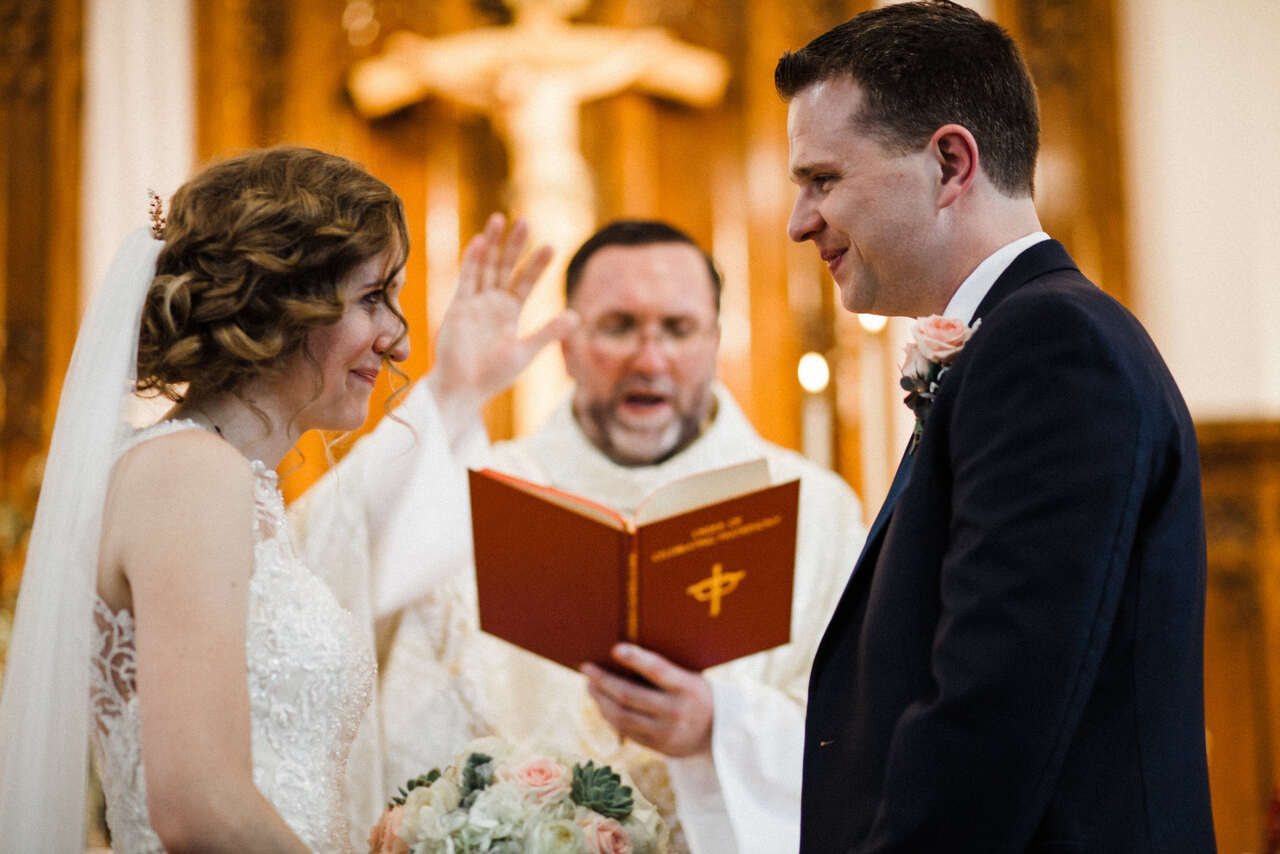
[702, 489]
[567, 500]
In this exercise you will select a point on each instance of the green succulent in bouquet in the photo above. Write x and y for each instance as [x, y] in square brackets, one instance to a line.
[600, 789]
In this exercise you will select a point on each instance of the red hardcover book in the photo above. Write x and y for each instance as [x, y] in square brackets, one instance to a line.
[702, 573]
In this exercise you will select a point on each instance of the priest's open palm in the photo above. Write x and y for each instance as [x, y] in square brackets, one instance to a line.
[479, 350]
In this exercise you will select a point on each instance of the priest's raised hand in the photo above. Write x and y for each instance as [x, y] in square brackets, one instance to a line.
[479, 351]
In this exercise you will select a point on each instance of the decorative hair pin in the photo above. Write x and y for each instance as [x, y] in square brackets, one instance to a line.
[156, 209]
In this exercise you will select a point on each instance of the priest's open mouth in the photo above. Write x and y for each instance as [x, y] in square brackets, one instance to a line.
[642, 400]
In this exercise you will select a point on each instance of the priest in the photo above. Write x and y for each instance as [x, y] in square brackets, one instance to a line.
[719, 751]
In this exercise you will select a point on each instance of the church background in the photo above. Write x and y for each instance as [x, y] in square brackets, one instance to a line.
[1156, 172]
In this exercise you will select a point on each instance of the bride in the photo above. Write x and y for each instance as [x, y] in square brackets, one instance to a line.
[226, 683]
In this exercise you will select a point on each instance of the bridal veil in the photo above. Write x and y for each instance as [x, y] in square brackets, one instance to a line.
[44, 710]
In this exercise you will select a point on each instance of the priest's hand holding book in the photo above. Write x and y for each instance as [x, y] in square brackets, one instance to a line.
[672, 714]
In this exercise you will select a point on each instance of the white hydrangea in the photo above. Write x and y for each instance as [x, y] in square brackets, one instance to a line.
[499, 810]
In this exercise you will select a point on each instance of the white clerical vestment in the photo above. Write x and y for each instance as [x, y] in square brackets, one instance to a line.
[445, 682]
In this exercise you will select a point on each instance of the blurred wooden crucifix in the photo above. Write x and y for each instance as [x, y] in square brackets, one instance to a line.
[531, 78]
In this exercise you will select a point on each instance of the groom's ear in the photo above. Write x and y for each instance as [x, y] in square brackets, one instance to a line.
[955, 152]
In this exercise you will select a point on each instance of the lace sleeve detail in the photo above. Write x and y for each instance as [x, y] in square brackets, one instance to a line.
[116, 735]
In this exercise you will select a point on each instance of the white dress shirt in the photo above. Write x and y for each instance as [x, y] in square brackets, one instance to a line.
[965, 301]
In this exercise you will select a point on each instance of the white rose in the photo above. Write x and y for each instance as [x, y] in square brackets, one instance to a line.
[557, 836]
[426, 812]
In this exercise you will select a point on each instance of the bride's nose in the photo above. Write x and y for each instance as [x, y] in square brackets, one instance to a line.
[393, 344]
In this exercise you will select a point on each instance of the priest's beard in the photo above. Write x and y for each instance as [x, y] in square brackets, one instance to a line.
[629, 446]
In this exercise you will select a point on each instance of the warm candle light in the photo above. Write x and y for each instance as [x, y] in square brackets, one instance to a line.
[813, 372]
[360, 23]
[873, 323]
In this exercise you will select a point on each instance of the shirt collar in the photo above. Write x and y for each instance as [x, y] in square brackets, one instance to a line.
[965, 301]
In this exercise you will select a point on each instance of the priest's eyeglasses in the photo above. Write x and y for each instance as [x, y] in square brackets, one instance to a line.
[624, 334]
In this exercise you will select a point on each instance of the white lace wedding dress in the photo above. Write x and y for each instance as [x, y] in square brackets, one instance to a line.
[310, 680]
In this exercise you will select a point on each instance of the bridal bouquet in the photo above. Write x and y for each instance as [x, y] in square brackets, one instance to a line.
[495, 799]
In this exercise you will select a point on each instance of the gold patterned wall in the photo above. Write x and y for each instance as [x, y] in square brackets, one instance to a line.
[39, 171]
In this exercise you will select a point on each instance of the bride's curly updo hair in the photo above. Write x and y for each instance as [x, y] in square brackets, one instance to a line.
[255, 248]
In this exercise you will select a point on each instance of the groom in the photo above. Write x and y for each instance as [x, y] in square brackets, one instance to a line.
[1016, 664]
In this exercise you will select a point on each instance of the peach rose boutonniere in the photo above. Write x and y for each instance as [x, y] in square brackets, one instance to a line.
[935, 343]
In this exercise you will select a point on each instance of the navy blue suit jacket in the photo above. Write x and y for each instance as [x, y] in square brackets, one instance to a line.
[1017, 661]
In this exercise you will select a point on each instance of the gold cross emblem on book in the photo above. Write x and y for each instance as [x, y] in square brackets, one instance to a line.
[715, 587]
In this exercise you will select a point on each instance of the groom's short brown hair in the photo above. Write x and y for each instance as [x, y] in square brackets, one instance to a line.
[923, 65]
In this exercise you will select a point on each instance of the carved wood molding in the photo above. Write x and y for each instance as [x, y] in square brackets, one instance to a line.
[1070, 48]
[1239, 442]
[1240, 467]
[24, 48]
[40, 91]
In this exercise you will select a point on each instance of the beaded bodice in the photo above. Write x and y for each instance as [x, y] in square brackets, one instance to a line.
[310, 680]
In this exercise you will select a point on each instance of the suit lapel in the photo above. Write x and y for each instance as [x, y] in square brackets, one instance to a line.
[1047, 256]
[872, 545]
[866, 562]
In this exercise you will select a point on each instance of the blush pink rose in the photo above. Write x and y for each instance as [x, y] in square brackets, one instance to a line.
[544, 778]
[939, 339]
[385, 836]
[606, 836]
